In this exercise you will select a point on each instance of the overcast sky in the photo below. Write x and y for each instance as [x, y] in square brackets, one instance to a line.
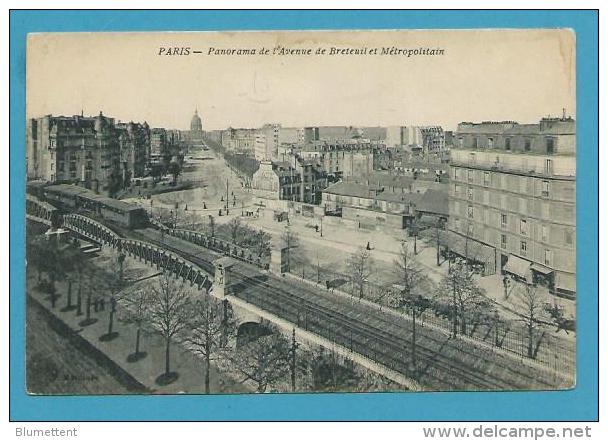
[483, 75]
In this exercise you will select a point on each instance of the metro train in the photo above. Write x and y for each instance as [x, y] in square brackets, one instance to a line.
[73, 198]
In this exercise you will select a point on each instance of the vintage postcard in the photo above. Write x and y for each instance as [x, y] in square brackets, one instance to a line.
[301, 211]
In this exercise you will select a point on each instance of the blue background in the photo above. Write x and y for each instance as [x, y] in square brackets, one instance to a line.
[578, 404]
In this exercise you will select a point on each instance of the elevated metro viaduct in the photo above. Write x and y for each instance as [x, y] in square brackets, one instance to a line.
[373, 339]
[218, 280]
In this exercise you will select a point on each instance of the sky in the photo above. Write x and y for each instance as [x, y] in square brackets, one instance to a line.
[519, 75]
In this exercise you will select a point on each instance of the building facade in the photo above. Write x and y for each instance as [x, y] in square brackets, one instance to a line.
[370, 206]
[301, 182]
[344, 158]
[513, 191]
[95, 152]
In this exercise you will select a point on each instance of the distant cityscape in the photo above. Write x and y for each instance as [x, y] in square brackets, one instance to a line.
[502, 192]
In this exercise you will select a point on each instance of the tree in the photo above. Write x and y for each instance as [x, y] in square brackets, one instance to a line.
[410, 278]
[175, 170]
[113, 285]
[360, 266]
[54, 264]
[156, 172]
[466, 296]
[289, 240]
[211, 226]
[235, 228]
[533, 307]
[92, 281]
[80, 266]
[35, 254]
[264, 361]
[71, 261]
[408, 273]
[209, 324]
[135, 309]
[170, 304]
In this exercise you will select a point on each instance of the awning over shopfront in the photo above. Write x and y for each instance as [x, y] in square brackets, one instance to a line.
[469, 248]
[518, 267]
[427, 220]
[541, 269]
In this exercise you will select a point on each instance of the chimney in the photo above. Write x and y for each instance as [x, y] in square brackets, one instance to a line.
[563, 113]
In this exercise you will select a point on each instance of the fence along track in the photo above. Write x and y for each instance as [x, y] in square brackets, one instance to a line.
[150, 253]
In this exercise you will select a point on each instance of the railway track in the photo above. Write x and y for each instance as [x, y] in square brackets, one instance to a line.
[368, 333]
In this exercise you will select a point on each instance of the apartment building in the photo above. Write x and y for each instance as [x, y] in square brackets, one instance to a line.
[512, 199]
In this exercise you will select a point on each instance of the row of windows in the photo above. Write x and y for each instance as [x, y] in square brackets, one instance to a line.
[523, 249]
[510, 182]
[527, 206]
[523, 244]
[524, 226]
[549, 144]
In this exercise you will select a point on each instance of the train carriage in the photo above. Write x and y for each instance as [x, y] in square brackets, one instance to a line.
[74, 198]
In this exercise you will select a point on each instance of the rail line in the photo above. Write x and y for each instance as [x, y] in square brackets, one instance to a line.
[370, 340]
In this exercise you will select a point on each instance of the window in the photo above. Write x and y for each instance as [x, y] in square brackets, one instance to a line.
[475, 143]
[472, 158]
[490, 143]
[550, 146]
[61, 166]
[470, 212]
[544, 233]
[507, 143]
[456, 173]
[460, 142]
[456, 189]
[486, 178]
[457, 225]
[470, 175]
[503, 220]
[548, 257]
[52, 166]
[527, 144]
[523, 227]
[503, 241]
[548, 166]
[470, 192]
[523, 247]
[545, 188]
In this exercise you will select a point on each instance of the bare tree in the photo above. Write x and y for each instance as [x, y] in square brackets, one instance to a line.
[532, 302]
[209, 324]
[234, 227]
[265, 361]
[289, 240]
[113, 284]
[360, 266]
[136, 310]
[410, 278]
[211, 226]
[91, 281]
[466, 296]
[408, 273]
[170, 304]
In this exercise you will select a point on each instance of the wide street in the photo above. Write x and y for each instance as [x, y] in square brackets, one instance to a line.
[210, 172]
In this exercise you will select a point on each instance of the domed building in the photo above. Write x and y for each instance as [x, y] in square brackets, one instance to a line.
[196, 124]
